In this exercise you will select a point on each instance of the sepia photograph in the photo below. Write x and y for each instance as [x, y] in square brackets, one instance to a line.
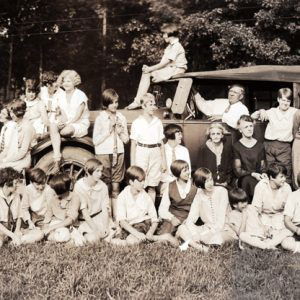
[150, 149]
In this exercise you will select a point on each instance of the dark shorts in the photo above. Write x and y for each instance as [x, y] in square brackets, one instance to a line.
[166, 227]
[112, 173]
[141, 227]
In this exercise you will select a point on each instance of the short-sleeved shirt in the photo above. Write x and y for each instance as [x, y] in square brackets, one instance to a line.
[146, 132]
[71, 108]
[135, 210]
[268, 200]
[15, 206]
[181, 152]
[280, 126]
[292, 207]
[36, 201]
[175, 52]
[66, 208]
[95, 199]
[105, 144]
[250, 157]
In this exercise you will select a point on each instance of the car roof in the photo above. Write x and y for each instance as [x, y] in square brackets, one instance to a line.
[258, 73]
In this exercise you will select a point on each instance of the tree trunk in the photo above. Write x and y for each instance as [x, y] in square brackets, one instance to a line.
[9, 73]
[104, 32]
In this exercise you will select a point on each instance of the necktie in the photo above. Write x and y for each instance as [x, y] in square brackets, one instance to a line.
[2, 145]
[10, 218]
[115, 147]
[228, 108]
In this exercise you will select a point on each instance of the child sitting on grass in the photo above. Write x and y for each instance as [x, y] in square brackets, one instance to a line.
[36, 198]
[292, 220]
[94, 203]
[10, 207]
[62, 211]
[264, 226]
[239, 201]
[136, 213]
[173, 62]
[212, 206]
[109, 136]
[176, 200]
[147, 147]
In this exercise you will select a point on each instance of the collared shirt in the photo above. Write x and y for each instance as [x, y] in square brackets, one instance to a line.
[219, 106]
[70, 108]
[104, 143]
[270, 201]
[36, 201]
[9, 136]
[175, 52]
[212, 209]
[95, 199]
[25, 136]
[147, 132]
[135, 210]
[181, 152]
[65, 208]
[165, 203]
[50, 102]
[15, 206]
[292, 207]
[280, 126]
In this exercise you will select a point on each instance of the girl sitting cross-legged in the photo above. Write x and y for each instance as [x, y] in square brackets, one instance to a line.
[211, 205]
[176, 200]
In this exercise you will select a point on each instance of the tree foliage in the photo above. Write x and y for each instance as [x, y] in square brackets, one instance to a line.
[216, 34]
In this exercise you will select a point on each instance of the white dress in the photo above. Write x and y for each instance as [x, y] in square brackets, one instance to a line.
[69, 109]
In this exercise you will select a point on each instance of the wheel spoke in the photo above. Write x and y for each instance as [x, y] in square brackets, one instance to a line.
[78, 173]
[71, 170]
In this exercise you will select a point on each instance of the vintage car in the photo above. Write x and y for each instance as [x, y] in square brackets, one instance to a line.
[175, 100]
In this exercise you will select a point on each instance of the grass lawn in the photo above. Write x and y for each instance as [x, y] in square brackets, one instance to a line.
[150, 271]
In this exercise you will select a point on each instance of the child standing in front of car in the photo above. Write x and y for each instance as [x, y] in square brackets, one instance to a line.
[173, 62]
[147, 147]
[279, 131]
[109, 136]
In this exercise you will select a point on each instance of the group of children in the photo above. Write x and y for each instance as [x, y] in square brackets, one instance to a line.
[238, 192]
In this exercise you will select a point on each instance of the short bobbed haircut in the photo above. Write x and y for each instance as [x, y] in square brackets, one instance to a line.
[37, 175]
[274, 169]
[7, 176]
[200, 176]
[32, 85]
[60, 183]
[177, 166]
[245, 118]
[238, 86]
[237, 195]
[108, 97]
[170, 29]
[135, 172]
[147, 98]
[216, 126]
[6, 108]
[73, 75]
[91, 165]
[298, 179]
[18, 107]
[285, 93]
[170, 131]
[48, 77]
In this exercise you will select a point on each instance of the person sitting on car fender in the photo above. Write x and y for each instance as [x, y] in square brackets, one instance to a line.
[228, 110]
